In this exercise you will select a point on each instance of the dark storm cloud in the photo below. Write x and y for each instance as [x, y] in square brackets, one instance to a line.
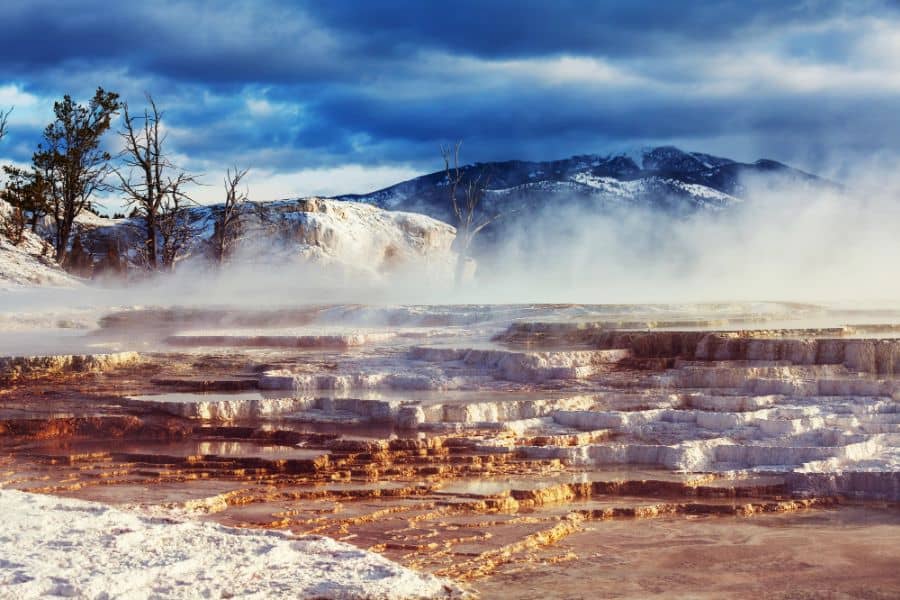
[506, 28]
[293, 85]
[278, 41]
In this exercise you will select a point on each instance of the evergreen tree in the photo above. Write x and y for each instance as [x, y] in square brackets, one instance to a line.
[73, 162]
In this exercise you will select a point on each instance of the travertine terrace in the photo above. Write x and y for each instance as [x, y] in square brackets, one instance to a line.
[474, 442]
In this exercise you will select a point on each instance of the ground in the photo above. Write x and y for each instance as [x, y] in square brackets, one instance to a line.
[515, 451]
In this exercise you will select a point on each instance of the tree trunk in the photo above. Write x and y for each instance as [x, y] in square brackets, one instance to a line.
[151, 240]
[460, 269]
[462, 254]
[63, 230]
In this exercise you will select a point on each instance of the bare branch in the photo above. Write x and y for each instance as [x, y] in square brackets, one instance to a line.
[453, 174]
[227, 226]
[149, 183]
[468, 220]
[4, 122]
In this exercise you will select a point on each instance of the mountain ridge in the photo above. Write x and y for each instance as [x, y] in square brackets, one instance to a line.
[662, 177]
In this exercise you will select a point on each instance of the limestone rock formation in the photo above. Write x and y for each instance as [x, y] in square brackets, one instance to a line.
[351, 237]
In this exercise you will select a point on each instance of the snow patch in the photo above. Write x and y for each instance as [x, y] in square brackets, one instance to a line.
[62, 547]
[29, 263]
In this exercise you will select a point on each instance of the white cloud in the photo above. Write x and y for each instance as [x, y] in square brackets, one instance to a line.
[262, 107]
[28, 109]
[331, 181]
[435, 74]
[560, 70]
[12, 94]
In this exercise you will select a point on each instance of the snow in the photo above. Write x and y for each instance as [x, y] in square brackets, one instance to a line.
[358, 237]
[24, 265]
[62, 547]
[632, 152]
[89, 219]
[702, 195]
[611, 185]
[705, 193]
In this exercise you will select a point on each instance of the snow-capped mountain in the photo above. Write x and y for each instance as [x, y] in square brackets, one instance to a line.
[664, 178]
[378, 231]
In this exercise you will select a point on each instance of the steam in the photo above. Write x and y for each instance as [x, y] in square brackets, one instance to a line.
[786, 241]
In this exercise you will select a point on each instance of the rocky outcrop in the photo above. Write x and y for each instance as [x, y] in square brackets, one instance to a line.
[525, 366]
[797, 347]
[876, 356]
[15, 367]
[349, 340]
[355, 238]
[216, 407]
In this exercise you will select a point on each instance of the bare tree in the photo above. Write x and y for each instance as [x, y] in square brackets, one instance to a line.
[4, 122]
[149, 185]
[228, 222]
[173, 221]
[267, 222]
[72, 161]
[470, 219]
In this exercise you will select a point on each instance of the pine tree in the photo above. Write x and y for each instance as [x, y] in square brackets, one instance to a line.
[72, 160]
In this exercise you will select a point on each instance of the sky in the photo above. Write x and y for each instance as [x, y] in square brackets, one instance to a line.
[347, 97]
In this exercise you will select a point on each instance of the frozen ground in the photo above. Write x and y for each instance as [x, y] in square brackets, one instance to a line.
[29, 263]
[55, 547]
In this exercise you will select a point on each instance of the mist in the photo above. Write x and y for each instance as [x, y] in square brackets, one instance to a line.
[786, 241]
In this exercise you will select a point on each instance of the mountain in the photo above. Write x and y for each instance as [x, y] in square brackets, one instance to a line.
[663, 178]
[379, 232]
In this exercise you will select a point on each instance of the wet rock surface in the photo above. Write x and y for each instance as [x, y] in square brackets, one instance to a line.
[483, 444]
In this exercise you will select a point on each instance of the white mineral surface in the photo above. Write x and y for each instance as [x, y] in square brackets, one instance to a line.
[56, 547]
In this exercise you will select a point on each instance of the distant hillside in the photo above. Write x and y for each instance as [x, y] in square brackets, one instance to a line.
[406, 224]
[663, 178]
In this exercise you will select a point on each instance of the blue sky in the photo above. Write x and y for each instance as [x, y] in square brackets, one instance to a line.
[337, 96]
